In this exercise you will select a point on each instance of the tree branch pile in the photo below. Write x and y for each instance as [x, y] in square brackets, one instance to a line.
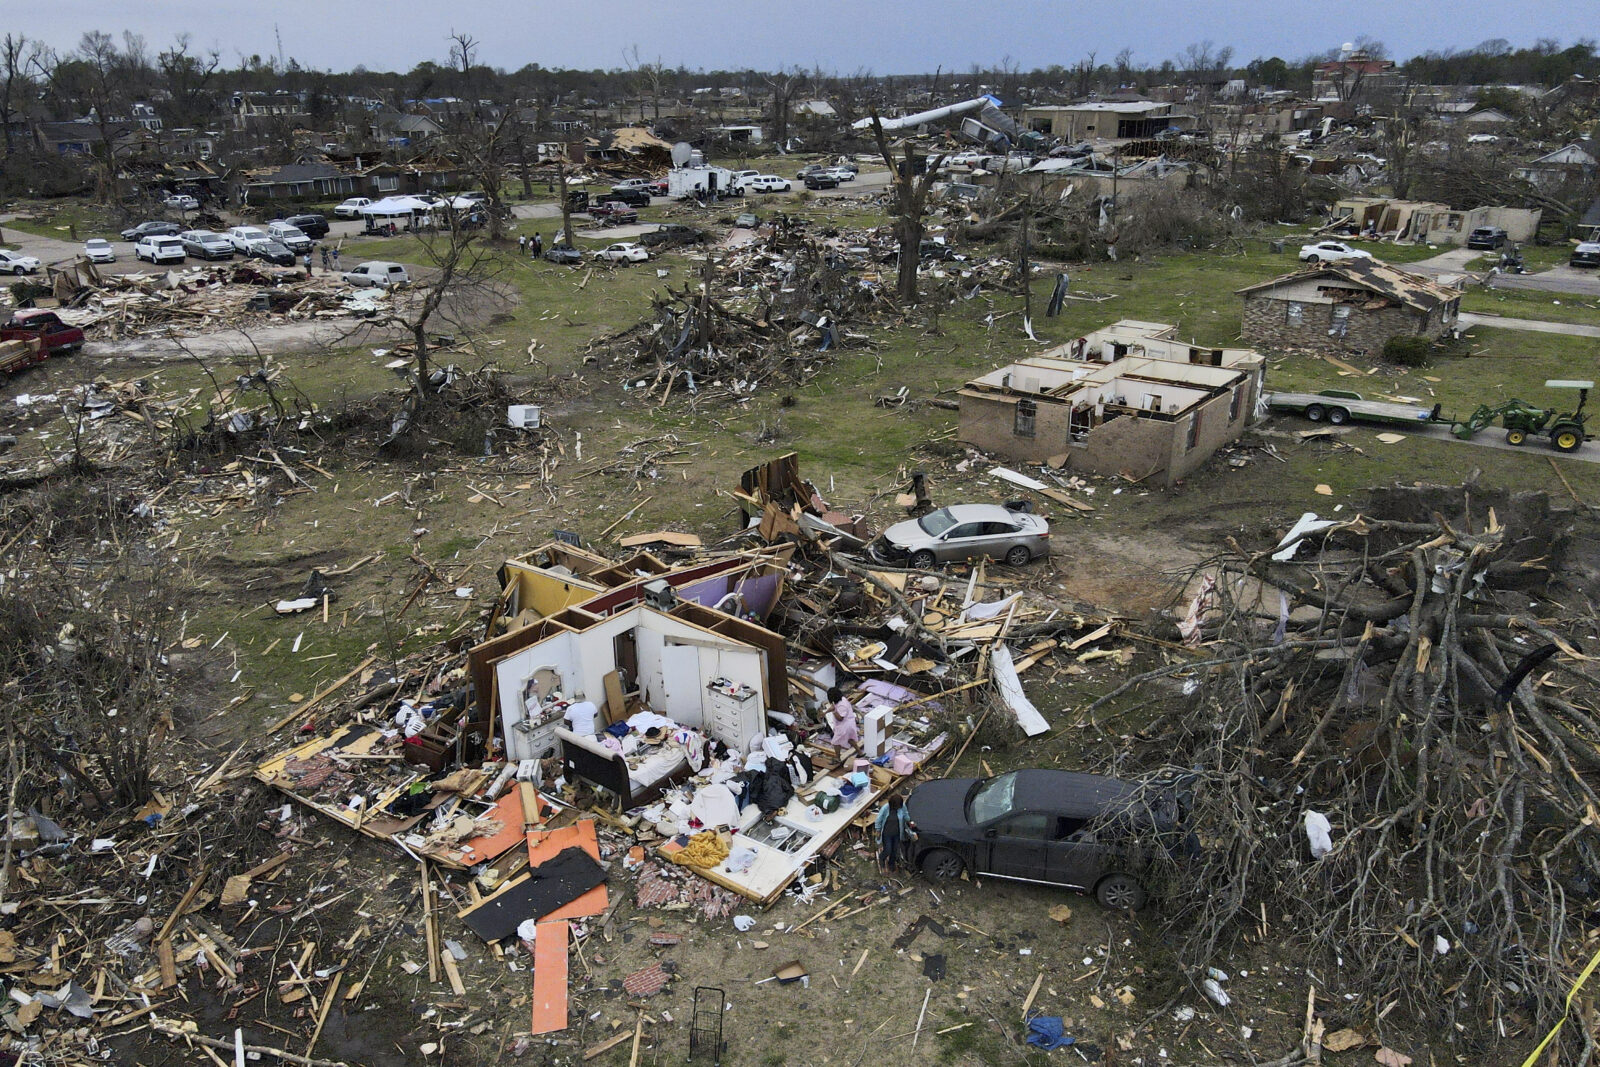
[762, 316]
[1413, 681]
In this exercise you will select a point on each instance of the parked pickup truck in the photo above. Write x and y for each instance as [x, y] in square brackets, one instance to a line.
[378, 273]
[39, 324]
[613, 213]
[1339, 407]
[17, 356]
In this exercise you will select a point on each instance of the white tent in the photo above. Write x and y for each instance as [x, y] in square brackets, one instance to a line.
[396, 207]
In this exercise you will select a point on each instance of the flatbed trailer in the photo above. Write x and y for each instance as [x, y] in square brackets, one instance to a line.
[1338, 408]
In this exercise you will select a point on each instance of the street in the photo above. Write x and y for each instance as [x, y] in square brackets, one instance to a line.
[54, 251]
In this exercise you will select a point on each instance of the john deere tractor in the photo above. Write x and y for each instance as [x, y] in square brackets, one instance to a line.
[1565, 429]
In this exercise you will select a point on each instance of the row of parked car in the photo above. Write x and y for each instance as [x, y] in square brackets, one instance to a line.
[163, 242]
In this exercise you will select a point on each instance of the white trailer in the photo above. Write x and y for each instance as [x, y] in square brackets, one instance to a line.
[688, 183]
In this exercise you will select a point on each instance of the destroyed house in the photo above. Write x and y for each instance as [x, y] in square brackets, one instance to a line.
[1154, 419]
[1154, 340]
[299, 181]
[628, 636]
[1106, 120]
[1350, 306]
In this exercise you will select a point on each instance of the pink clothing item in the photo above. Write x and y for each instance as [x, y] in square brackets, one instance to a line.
[842, 718]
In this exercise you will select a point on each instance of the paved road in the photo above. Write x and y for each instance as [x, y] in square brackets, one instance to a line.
[57, 252]
[1504, 322]
[1469, 262]
[1491, 437]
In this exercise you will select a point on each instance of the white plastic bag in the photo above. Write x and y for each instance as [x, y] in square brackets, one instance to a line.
[1319, 831]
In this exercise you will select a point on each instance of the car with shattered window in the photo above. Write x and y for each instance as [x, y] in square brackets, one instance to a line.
[1085, 832]
[962, 532]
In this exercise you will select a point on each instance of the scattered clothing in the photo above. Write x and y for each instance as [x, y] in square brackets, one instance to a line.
[1048, 1032]
[842, 721]
[704, 849]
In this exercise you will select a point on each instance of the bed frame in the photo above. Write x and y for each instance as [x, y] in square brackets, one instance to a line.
[582, 757]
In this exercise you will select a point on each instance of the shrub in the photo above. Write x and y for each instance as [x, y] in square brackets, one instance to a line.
[1408, 350]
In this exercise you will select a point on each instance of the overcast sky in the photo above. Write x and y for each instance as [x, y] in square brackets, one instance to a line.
[837, 35]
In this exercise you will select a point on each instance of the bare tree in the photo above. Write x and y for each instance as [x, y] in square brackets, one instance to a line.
[91, 81]
[17, 55]
[190, 82]
[481, 142]
[461, 272]
[784, 85]
[912, 183]
[1083, 73]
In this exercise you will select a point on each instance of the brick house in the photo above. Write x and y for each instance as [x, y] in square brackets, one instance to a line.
[1113, 407]
[1348, 307]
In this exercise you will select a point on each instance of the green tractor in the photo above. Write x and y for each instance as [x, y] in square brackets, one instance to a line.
[1564, 429]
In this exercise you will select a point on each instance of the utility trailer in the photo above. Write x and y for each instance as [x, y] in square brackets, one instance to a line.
[18, 355]
[1339, 406]
[690, 183]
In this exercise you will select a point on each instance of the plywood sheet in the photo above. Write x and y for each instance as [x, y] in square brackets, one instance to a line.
[547, 844]
[550, 978]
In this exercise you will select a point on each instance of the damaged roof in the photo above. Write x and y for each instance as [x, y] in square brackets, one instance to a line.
[1385, 279]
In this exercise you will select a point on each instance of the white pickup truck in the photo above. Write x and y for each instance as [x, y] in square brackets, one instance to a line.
[378, 273]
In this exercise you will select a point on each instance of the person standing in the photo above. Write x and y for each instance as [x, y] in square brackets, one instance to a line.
[538, 245]
[522, 243]
[894, 830]
[580, 717]
[308, 262]
[325, 260]
[335, 257]
[842, 720]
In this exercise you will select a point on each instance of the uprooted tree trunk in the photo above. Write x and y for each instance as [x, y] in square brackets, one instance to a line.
[1393, 681]
[911, 192]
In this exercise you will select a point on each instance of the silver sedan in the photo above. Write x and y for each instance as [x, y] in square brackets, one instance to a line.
[962, 532]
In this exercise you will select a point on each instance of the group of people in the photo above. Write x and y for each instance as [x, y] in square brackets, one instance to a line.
[330, 258]
[533, 247]
[894, 827]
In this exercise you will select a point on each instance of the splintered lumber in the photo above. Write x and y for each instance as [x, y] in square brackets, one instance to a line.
[316, 699]
[1027, 1004]
[608, 1044]
[449, 960]
[167, 1029]
[188, 898]
[322, 1016]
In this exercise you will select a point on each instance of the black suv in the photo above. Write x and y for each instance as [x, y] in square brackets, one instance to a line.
[1080, 831]
[313, 226]
[1487, 238]
[631, 197]
[821, 180]
[671, 235]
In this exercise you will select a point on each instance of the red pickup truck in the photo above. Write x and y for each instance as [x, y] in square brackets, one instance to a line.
[44, 326]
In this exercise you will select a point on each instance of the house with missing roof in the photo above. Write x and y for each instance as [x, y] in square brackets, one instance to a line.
[1129, 398]
[1350, 307]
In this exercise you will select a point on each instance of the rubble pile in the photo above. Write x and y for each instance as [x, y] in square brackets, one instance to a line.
[201, 300]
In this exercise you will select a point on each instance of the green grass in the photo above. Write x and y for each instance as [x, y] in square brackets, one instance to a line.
[852, 448]
[60, 219]
[1533, 304]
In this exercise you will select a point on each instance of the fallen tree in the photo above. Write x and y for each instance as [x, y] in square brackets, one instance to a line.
[1390, 677]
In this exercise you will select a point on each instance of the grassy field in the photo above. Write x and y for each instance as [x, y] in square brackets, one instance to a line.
[1531, 304]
